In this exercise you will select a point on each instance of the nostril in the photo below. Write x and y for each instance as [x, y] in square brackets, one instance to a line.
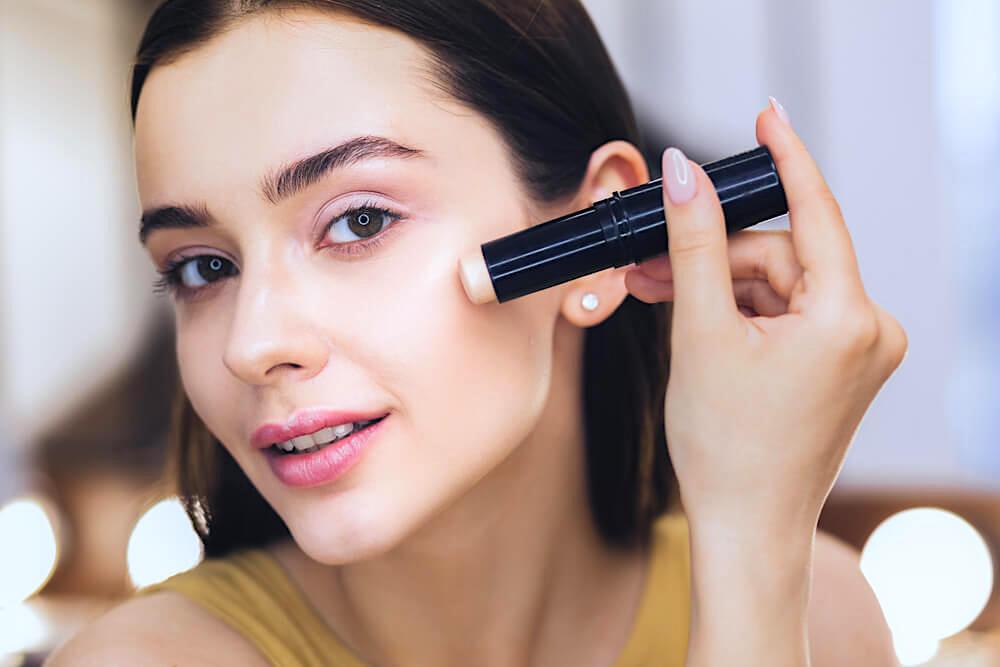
[286, 365]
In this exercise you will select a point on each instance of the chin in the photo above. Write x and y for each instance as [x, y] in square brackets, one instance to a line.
[347, 536]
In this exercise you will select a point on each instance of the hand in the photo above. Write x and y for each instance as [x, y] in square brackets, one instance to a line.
[776, 349]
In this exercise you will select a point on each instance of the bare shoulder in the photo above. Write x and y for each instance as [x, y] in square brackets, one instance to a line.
[846, 625]
[159, 629]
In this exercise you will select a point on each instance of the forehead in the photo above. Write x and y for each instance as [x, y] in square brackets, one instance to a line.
[274, 87]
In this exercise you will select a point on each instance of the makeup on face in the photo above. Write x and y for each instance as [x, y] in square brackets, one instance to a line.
[628, 227]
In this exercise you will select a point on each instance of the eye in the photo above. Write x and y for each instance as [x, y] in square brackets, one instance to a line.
[202, 270]
[359, 223]
[356, 232]
[192, 274]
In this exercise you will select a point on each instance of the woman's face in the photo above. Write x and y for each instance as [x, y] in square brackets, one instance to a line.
[286, 312]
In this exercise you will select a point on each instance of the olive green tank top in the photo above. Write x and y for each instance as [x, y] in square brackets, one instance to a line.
[254, 594]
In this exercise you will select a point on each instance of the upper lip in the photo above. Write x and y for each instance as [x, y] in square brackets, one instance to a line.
[305, 422]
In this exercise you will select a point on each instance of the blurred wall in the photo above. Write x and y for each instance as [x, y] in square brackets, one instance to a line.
[73, 282]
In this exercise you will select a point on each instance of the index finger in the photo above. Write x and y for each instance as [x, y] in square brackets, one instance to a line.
[820, 236]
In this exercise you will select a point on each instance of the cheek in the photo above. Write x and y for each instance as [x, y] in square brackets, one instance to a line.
[475, 378]
[470, 382]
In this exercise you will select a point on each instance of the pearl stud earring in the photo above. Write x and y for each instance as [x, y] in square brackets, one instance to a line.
[590, 301]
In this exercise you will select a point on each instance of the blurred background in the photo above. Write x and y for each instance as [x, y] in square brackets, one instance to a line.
[899, 102]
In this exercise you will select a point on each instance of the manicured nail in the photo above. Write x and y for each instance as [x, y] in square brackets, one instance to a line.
[780, 110]
[678, 176]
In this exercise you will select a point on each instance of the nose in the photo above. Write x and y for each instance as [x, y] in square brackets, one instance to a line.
[271, 338]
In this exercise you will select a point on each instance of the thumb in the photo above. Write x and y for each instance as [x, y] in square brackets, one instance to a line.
[696, 237]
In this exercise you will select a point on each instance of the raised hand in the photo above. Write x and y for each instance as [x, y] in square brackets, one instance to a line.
[776, 353]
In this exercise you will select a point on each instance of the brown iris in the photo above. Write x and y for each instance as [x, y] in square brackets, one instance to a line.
[365, 222]
[213, 268]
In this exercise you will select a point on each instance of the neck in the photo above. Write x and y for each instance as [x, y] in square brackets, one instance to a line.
[518, 554]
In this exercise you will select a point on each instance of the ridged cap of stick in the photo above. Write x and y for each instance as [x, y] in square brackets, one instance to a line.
[476, 278]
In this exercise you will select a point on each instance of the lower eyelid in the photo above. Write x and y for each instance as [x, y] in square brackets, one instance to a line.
[360, 249]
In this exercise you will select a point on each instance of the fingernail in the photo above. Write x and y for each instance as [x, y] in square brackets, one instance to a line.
[780, 110]
[678, 176]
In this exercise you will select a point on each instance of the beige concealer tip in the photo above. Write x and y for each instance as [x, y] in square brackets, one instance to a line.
[475, 278]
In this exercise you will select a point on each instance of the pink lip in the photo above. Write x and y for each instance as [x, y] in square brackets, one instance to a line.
[324, 465]
[306, 422]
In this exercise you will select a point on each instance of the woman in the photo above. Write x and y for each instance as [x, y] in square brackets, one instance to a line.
[310, 172]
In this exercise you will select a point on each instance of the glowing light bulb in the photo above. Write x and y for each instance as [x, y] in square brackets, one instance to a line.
[162, 544]
[22, 628]
[30, 550]
[932, 574]
[913, 650]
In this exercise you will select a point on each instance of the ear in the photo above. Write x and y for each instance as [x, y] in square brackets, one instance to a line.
[615, 166]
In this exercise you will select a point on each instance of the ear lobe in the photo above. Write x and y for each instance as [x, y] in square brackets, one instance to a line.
[608, 286]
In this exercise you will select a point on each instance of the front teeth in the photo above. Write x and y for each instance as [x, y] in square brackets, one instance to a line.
[325, 435]
[303, 442]
[322, 437]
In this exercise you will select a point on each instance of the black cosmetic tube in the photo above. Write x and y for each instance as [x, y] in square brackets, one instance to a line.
[627, 227]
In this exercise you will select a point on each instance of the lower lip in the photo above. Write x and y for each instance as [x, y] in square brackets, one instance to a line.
[325, 465]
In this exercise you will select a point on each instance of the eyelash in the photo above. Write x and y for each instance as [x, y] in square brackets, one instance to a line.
[170, 277]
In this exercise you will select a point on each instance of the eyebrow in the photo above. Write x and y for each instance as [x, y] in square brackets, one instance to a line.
[283, 183]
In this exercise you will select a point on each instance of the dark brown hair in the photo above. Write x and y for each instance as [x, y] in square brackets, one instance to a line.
[538, 71]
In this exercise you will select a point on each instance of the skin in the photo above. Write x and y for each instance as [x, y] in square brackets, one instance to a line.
[471, 509]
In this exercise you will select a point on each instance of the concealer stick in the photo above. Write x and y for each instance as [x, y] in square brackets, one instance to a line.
[626, 228]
